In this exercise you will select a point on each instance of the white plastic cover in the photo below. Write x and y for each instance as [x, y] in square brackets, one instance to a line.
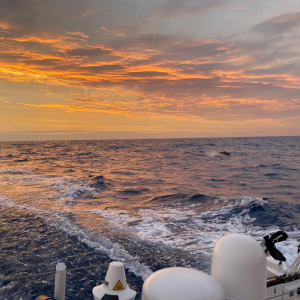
[115, 284]
[239, 265]
[181, 284]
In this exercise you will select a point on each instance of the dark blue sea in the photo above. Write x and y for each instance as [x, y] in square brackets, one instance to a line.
[162, 202]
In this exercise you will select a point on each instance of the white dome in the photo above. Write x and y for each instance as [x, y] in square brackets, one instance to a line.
[239, 265]
[181, 283]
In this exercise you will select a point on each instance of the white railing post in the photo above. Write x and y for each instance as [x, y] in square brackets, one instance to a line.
[60, 282]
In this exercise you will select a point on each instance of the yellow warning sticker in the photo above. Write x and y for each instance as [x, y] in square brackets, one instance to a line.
[119, 286]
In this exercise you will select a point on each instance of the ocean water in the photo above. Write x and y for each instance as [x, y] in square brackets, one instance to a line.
[162, 202]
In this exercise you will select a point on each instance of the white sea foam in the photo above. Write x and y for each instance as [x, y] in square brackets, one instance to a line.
[4, 201]
[70, 189]
[186, 230]
[212, 153]
[289, 249]
[172, 227]
[178, 227]
[100, 243]
[74, 192]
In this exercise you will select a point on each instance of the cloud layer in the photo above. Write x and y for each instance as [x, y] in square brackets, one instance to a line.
[133, 58]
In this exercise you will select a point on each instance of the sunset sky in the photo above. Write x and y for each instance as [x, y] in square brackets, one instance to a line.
[101, 69]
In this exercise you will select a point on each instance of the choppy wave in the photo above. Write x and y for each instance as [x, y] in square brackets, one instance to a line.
[4, 201]
[15, 171]
[100, 243]
[168, 199]
[184, 227]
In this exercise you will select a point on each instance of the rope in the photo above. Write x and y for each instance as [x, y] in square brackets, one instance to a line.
[294, 268]
[101, 265]
[141, 258]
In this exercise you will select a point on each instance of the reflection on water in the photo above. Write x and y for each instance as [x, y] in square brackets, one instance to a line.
[170, 200]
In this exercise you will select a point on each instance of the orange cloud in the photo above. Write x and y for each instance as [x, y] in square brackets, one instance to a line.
[8, 26]
[196, 78]
[105, 107]
[37, 39]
